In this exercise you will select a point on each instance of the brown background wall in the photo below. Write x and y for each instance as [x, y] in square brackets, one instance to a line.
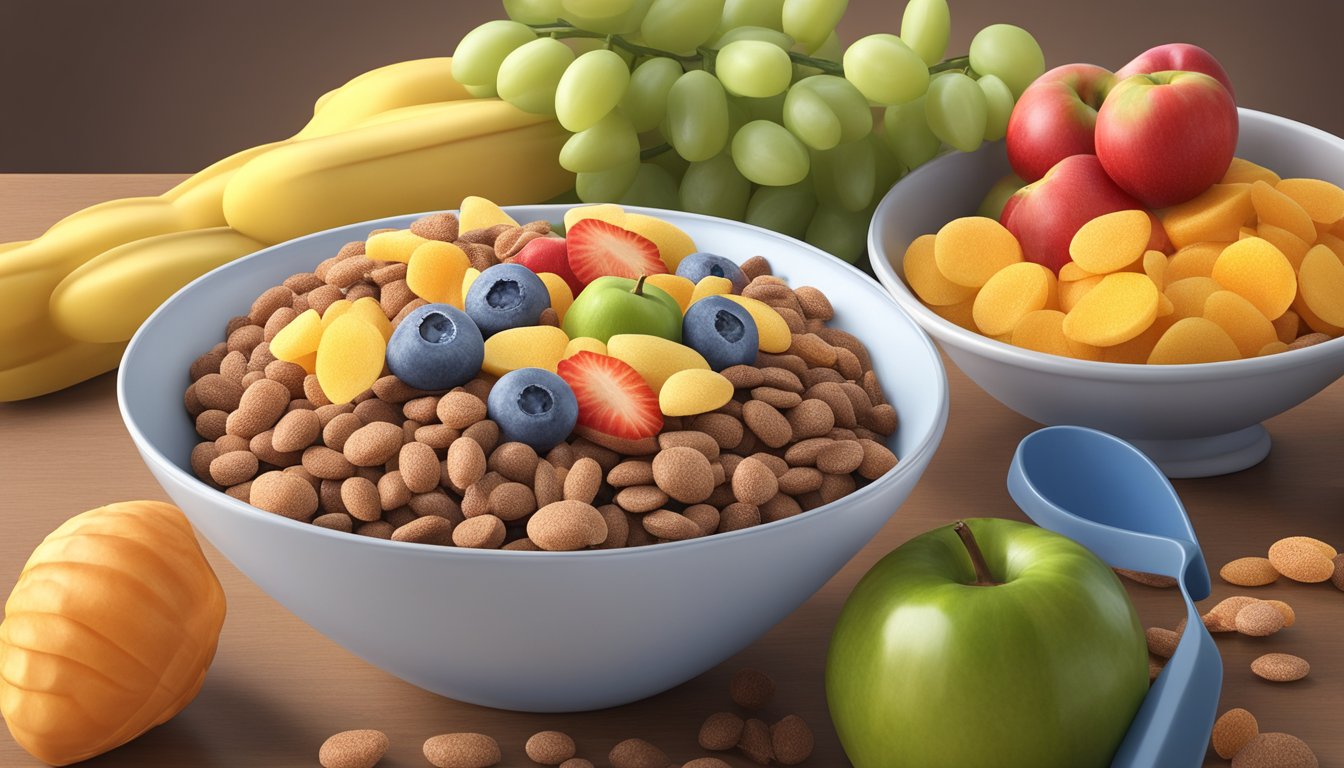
[167, 85]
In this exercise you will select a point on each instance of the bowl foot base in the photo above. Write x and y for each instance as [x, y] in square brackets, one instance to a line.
[1208, 456]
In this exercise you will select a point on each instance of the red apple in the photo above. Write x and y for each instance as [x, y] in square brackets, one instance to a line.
[549, 254]
[1055, 118]
[1177, 56]
[1045, 215]
[1166, 137]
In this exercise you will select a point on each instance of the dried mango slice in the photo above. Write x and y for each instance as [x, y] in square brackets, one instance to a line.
[349, 358]
[1111, 242]
[561, 295]
[1071, 293]
[1009, 295]
[1323, 201]
[969, 250]
[1274, 207]
[1322, 284]
[1272, 348]
[334, 310]
[1121, 307]
[608, 212]
[710, 285]
[1072, 272]
[672, 241]
[678, 287]
[1245, 172]
[1043, 331]
[468, 277]
[1247, 327]
[1193, 340]
[1312, 321]
[770, 327]
[1194, 260]
[1188, 295]
[299, 338]
[479, 213]
[1258, 271]
[370, 311]
[1217, 214]
[961, 315]
[583, 344]
[1291, 246]
[929, 284]
[397, 245]
[1155, 267]
[434, 272]
[1136, 350]
[1335, 244]
[528, 346]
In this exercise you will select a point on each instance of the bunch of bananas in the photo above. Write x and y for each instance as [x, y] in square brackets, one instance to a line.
[399, 139]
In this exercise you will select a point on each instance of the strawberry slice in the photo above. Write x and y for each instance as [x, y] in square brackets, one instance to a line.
[613, 398]
[599, 249]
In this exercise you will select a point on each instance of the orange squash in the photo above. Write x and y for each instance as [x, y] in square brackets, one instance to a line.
[109, 631]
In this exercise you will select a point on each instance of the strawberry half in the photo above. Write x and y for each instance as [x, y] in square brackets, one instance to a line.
[613, 398]
[599, 249]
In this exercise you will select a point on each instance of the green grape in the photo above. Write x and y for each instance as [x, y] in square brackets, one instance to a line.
[811, 21]
[482, 91]
[528, 76]
[606, 186]
[532, 11]
[925, 27]
[887, 168]
[810, 118]
[608, 144]
[999, 106]
[615, 24]
[763, 34]
[674, 164]
[715, 188]
[841, 233]
[885, 70]
[738, 114]
[753, 68]
[645, 100]
[1009, 53]
[785, 210]
[956, 111]
[845, 176]
[596, 8]
[697, 116]
[680, 26]
[590, 88]
[767, 154]
[654, 187]
[829, 50]
[825, 110]
[477, 58]
[908, 133]
[752, 13]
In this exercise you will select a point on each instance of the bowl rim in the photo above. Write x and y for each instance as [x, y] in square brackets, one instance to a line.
[1001, 352]
[912, 462]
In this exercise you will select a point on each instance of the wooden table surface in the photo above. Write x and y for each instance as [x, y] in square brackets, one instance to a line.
[278, 688]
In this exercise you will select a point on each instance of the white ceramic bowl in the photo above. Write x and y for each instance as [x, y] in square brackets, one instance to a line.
[1193, 420]
[535, 631]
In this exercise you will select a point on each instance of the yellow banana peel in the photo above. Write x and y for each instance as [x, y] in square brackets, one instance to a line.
[428, 161]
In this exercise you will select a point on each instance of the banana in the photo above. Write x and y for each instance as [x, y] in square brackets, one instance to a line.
[419, 81]
[68, 365]
[429, 161]
[106, 299]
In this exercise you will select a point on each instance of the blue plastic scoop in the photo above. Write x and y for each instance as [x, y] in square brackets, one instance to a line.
[1105, 494]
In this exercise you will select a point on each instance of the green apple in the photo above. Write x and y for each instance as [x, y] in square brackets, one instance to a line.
[612, 305]
[1026, 654]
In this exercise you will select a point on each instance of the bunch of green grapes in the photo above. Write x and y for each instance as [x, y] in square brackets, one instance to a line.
[748, 109]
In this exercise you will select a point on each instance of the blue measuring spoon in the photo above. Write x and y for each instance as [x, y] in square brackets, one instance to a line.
[1105, 494]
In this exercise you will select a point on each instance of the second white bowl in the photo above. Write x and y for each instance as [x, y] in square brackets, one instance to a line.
[1192, 420]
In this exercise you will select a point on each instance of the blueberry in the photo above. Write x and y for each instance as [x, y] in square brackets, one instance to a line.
[701, 265]
[722, 331]
[436, 347]
[506, 296]
[533, 406]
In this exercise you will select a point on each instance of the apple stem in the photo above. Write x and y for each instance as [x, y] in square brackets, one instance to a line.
[983, 578]
[639, 286]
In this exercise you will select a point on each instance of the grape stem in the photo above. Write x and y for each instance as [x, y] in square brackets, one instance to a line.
[962, 63]
[652, 152]
[561, 29]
